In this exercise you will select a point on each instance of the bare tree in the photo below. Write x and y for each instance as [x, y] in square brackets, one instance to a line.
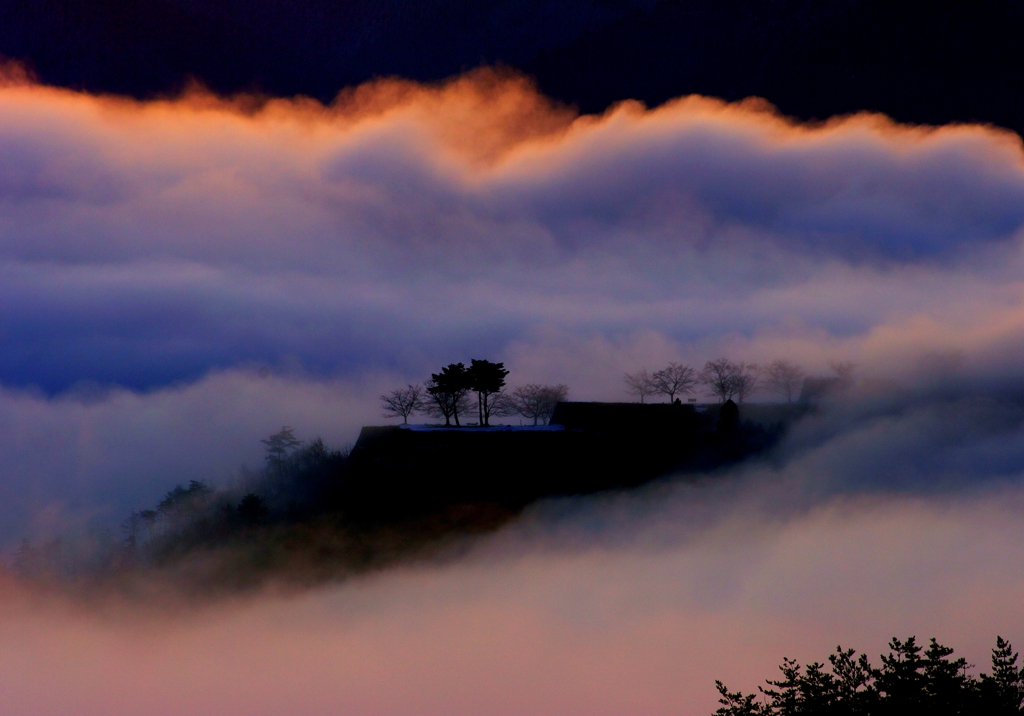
[844, 371]
[784, 379]
[819, 387]
[727, 380]
[640, 384]
[718, 376]
[536, 401]
[746, 380]
[673, 379]
[403, 402]
[502, 405]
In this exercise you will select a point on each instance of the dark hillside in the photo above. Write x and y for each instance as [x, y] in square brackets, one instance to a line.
[403, 492]
[588, 447]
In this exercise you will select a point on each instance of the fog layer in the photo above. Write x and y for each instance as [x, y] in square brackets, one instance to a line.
[614, 605]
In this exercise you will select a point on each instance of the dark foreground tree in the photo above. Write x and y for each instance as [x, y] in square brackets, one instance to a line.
[447, 393]
[1003, 689]
[911, 680]
[403, 402]
[485, 379]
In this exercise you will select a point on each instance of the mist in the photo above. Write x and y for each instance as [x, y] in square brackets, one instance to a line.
[617, 603]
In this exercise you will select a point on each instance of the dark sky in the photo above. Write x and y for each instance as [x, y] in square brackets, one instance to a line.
[915, 60]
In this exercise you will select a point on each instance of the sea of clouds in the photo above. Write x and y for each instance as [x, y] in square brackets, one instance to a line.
[181, 277]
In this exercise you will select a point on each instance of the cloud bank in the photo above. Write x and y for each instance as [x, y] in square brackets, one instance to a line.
[147, 243]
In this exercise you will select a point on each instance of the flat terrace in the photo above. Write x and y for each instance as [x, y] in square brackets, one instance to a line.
[588, 447]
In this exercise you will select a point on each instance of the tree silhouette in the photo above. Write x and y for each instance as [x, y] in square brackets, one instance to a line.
[280, 444]
[1003, 690]
[910, 680]
[486, 379]
[640, 384]
[717, 375]
[403, 402]
[180, 496]
[784, 379]
[537, 402]
[674, 379]
[727, 380]
[844, 372]
[252, 509]
[728, 419]
[447, 392]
